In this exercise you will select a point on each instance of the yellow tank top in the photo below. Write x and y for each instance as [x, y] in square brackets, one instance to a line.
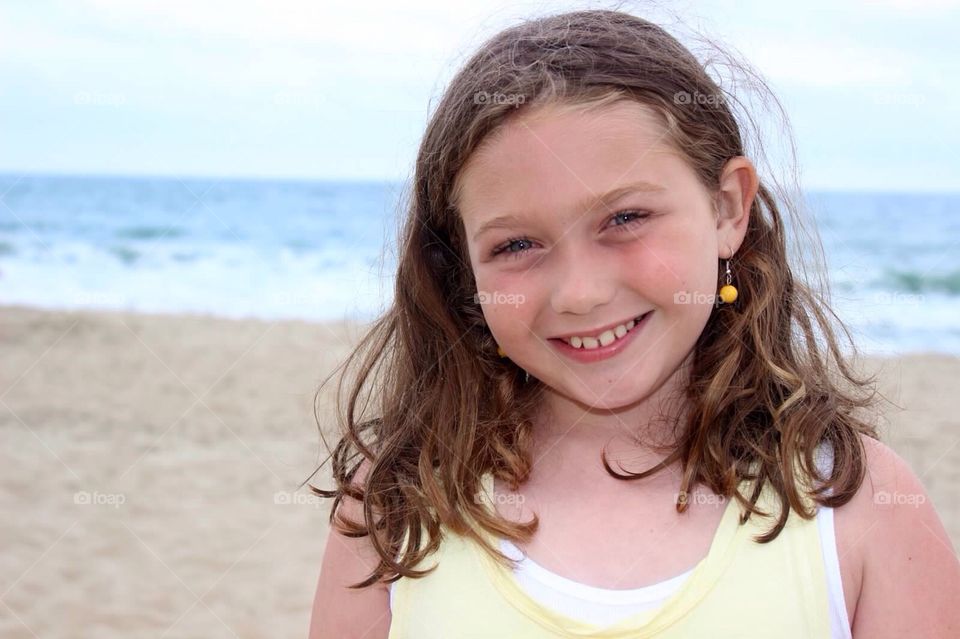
[740, 589]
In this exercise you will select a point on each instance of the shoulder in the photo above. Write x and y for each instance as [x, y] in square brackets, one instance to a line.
[896, 545]
[339, 611]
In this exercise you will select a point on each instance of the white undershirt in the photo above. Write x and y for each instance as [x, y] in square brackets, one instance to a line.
[604, 606]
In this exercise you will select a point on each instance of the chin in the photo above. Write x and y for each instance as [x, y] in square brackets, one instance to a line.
[612, 398]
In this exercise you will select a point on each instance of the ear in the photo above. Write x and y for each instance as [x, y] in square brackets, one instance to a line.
[738, 188]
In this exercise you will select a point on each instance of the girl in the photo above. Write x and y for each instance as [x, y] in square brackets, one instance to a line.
[594, 280]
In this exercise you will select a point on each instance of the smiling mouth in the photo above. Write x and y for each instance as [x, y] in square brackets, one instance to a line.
[604, 338]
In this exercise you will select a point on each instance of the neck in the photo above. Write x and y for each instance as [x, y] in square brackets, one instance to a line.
[569, 436]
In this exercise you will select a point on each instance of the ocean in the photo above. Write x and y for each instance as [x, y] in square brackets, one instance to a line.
[316, 250]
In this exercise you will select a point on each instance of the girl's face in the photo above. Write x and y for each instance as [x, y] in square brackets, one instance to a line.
[578, 221]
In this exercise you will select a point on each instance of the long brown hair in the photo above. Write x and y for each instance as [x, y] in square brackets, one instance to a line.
[769, 380]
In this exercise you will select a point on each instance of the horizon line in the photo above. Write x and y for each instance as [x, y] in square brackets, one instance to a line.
[237, 177]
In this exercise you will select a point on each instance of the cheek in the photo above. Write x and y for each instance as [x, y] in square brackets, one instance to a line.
[682, 261]
[506, 328]
[503, 313]
[659, 269]
[508, 293]
[508, 306]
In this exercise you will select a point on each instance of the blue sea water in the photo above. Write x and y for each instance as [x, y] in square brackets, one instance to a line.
[231, 248]
[326, 250]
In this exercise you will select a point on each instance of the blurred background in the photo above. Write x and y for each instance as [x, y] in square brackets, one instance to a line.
[198, 207]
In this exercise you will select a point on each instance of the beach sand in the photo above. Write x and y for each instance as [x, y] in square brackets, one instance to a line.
[150, 466]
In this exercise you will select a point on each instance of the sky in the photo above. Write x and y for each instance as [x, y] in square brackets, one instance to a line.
[343, 90]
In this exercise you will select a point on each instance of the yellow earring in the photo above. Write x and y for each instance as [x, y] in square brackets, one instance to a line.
[500, 351]
[728, 292]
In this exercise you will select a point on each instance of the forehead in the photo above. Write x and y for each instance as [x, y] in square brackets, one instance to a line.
[553, 156]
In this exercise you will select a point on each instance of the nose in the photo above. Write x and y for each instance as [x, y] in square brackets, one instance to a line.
[582, 282]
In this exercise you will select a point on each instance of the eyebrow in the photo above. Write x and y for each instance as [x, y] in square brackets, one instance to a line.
[510, 219]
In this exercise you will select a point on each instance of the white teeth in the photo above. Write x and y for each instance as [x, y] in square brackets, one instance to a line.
[604, 339]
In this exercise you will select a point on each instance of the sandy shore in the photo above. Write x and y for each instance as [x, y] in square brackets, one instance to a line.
[149, 465]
